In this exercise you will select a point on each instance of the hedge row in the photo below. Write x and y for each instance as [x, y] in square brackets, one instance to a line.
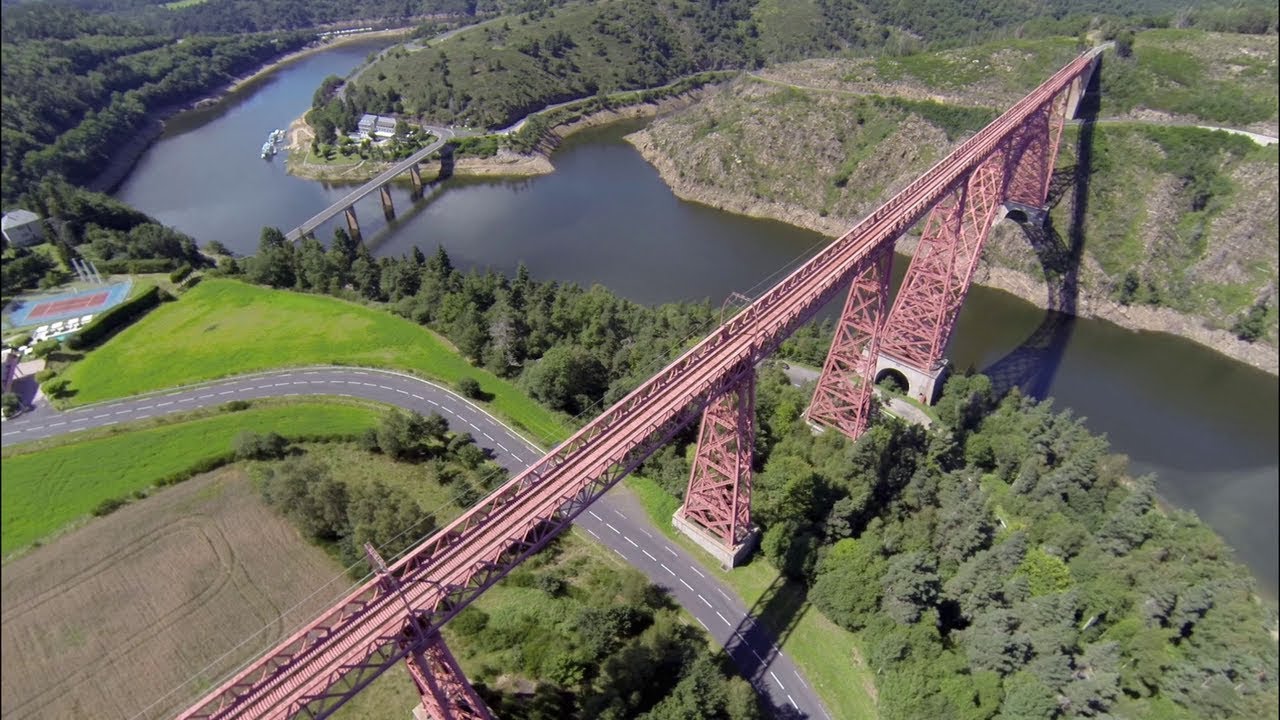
[108, 322]
[180, 274]
[141, 266]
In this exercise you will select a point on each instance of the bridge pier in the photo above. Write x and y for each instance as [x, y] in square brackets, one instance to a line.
[923, 385]
[416, 176]
[388, 207]
[445, 692]
[842, 399]
[353, 223]
[716, 513]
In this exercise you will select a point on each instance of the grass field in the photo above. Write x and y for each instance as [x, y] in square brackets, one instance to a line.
[115, 614]
[46, 488]
[827, 653]
[224, 327]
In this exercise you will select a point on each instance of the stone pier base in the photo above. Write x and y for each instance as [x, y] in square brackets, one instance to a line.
[728, 557]
[921, 385]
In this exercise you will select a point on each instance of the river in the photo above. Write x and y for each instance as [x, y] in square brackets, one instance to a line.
[1205, 425]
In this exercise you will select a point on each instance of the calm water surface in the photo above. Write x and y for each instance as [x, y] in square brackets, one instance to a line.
[1205, 425]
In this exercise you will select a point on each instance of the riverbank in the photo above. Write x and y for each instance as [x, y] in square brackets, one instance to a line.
[1034, 290]
[126, 156]
[503, 164]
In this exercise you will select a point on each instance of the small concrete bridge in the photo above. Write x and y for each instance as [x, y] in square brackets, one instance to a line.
[348, 201]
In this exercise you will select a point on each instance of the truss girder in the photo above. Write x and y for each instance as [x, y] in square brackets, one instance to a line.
[719, 494]
[842, 399]
[1033, 152]
[323, 664]
[937, 280]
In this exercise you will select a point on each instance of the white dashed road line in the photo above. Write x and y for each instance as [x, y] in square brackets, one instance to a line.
[704, 625]
[664, 567]
[593, 533]
[633, 542]
[697, 571]
[612, 528]
[725, 619]
[163, 404]
[726, 597]
[686, 584]
[594, 515]
[418, 397]
[646, 552]
[775, 679]
[704, 600]
[793, 701]
[668, 549]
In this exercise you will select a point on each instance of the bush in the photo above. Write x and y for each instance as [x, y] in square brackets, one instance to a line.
[108, 506]
[10, 404]
[107, 323]
[236, 405]
[180, 274]
[45, 348]
[470, 387]
[56, 388]
[45, 375]
[255, 446]
[21, 341]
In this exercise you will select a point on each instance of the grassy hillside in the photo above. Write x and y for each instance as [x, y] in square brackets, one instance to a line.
[1177, 217]
[224, 327]
[1196, 76]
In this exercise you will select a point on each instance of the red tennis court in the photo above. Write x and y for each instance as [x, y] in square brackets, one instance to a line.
[59, 308]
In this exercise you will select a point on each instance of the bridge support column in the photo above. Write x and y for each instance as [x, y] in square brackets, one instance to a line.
[1031, 156]
[416, 176]
[388, 207]
[353, 223]
[716, 512]
[445, 692]
[937, 281]
[842, 399]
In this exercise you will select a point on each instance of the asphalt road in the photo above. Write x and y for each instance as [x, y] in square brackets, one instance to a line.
[616, 520]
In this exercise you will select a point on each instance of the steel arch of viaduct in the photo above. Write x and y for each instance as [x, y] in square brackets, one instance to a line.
[326, 663]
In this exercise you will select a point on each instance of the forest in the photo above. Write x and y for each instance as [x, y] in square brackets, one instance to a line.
[1002, 565]
[77, 86]
[493, 75]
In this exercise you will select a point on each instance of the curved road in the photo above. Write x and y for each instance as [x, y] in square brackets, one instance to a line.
[616, 520]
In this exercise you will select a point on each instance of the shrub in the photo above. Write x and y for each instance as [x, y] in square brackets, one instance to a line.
[470, 387]
[180, 274]
[10, 404]
[255, 446]
[236, 405]
[22, 340]
[55, 388]
[108, 506]
[45, 348]
[45, 375]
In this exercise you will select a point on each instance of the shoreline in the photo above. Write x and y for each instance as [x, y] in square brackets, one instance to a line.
[504, 164]
[125, 157]
[1025, 287]
[1022, 286]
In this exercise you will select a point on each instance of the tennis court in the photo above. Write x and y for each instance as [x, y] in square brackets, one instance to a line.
[30, 311]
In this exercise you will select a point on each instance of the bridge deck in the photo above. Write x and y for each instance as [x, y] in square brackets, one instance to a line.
[444, 135]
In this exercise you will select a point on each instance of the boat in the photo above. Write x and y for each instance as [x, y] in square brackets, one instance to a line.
[269, 147]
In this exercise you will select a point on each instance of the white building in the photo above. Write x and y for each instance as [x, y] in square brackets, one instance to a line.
[21, 228]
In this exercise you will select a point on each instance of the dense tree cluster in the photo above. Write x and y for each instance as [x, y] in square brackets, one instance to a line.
[570, 348]
[77, 86]
[1005, 566]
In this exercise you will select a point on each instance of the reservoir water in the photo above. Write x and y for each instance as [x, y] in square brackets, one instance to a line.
[1204, 424]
